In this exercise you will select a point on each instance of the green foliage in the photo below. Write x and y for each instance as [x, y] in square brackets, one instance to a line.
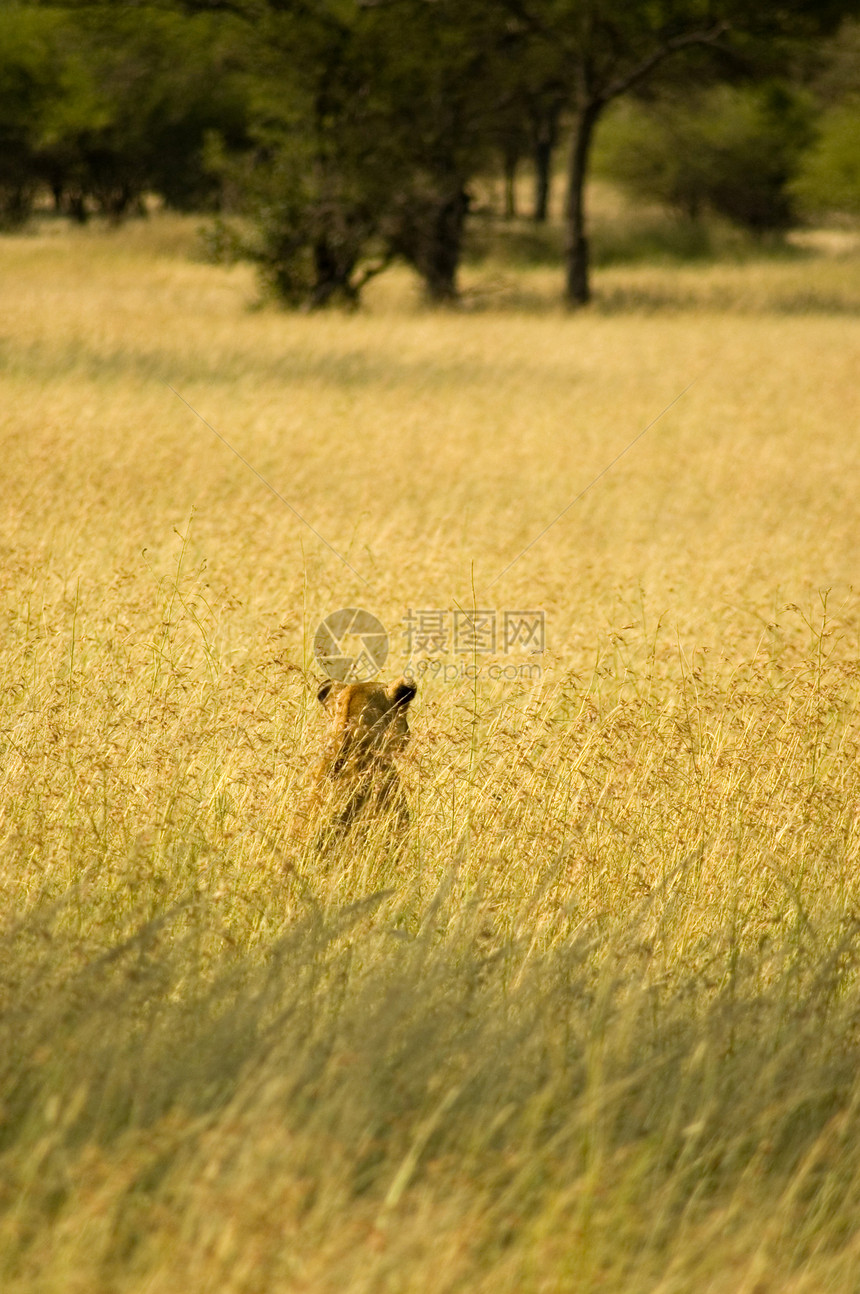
[837, 66]
[170, 81]
[102, 106]
[733, 151]
[28, 74]
[351, 133]
[309, 177]
[829, 177]
[367, 125]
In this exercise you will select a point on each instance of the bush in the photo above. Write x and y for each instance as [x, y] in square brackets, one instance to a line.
[732, 151]
[829, 177]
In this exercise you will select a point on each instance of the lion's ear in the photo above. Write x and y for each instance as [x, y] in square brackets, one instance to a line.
[325, 691]
[401, 691]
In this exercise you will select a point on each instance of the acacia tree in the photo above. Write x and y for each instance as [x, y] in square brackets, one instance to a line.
[611, 47]
[310, 180]
[441, 95]
[369, 120]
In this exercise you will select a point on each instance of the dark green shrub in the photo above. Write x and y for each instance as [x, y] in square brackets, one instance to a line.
[733, 151]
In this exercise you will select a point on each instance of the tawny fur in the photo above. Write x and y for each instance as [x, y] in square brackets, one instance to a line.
[358, 775]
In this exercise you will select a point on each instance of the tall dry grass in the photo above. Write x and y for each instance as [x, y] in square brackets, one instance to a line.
[598, 1029]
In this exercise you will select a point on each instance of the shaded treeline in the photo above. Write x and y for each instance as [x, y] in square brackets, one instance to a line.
[348, 134]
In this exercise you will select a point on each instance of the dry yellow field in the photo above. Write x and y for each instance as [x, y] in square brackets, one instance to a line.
[598, 1030]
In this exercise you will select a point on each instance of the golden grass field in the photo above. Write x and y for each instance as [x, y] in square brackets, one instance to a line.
[599, 1029]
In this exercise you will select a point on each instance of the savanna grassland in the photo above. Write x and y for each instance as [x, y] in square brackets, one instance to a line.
[599, 1029]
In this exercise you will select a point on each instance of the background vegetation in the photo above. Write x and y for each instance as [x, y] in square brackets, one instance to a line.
[340, 137]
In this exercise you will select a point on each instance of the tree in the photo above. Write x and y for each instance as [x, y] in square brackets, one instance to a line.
[161, 84]
[441, 100]
[369, 120]
[315, 177]
[733, 150]
[360, 124]
[544, 118]
[829, 177]
[101, 105]
[29, 70]
[530, 94]
[611, 47]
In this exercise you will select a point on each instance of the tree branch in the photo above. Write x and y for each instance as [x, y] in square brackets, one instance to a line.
[370, 271]
[622, 84]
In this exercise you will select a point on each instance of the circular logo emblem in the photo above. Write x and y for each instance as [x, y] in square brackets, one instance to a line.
[351, 645]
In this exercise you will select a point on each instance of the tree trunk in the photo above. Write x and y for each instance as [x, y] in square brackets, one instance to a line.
[427, 229]
[441, 259]
[511, 159]
[544, 140]
[543, 162]
[578, 291]
[332, 276]
[76, 205]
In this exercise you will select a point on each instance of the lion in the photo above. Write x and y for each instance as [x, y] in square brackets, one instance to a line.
[358, 775]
